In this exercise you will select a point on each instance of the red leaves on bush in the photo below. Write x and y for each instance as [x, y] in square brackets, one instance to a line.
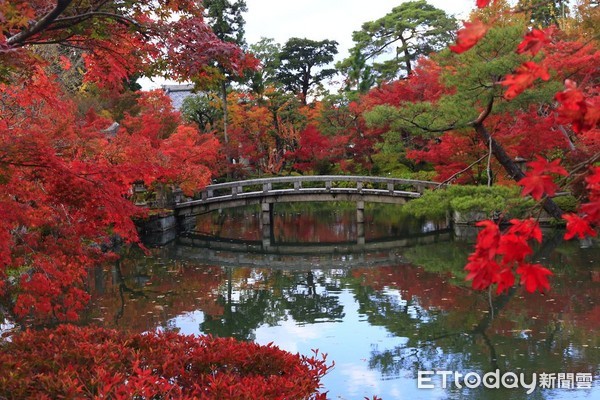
[74, 362]
[469, 36]
[538, 181]
[525, 75]
[498, 254]
[483, 3]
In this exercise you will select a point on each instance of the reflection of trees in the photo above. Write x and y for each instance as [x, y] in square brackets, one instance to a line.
[140, 293]
[281, 295]
[310, 222]
[445, 327]
[124, 288]
[308, 306]
[243, 314]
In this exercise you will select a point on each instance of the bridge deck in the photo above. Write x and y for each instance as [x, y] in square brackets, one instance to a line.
[293, 189]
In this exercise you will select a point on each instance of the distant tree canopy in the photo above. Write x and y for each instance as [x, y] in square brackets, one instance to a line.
[545, 14]
[300, 61]
[410, 30]
[226, 20]
[266, 50]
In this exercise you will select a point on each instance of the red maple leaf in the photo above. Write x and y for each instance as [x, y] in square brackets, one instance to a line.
[525, 75]
[537, 186]
[534, 277]
[489, 237]
[543, 166]
[483, 3]
[529, 228]
[538, 180]
[483, 272]
[505, 280]
[572, 107]
[533, 42]
[577, 226]
[469, 36]
[592, 211]
[583, 113]
[514, 248]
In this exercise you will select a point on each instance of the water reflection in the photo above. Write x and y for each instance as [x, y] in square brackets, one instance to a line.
[381, 315]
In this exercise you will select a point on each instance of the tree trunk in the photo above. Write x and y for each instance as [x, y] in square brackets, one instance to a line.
[224, 99]
[305, 85]
[406, 56]
[512, 168]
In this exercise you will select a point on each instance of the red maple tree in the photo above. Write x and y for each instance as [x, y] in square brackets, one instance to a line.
[500, 255]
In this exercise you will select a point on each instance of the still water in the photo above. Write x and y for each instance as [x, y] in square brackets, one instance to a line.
[382, 311]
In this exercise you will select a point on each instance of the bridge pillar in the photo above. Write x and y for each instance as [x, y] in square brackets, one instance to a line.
[360, 212]
[267, 224]
[360, 222]
[267, 213]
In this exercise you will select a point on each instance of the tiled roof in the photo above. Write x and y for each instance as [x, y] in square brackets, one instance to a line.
[178, 93]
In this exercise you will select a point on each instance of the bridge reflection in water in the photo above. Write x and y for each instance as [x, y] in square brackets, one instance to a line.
[252, 253]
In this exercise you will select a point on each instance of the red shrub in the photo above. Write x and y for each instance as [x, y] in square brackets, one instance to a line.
[75, 362]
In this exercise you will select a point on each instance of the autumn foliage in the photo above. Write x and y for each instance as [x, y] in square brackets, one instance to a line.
[501, 255]
[66, 187]
[66, 196]
[73, 362]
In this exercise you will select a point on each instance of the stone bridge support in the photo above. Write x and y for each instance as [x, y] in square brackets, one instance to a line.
[268, 236]
[360, 222]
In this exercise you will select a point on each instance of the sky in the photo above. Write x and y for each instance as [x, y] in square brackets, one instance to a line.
[326, 19]
[321, 19]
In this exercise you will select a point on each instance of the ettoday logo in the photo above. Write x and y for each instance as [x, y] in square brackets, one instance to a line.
[507, 380]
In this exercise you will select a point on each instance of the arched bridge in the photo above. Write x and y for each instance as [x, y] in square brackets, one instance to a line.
[303, 189]
[269, 191]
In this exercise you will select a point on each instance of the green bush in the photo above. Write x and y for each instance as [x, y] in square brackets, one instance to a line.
[487, 199]
[567, 203]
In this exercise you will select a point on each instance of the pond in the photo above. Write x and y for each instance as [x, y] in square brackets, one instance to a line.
[382, 311]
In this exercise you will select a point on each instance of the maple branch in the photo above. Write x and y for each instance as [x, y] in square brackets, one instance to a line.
[574, 174]
[461, 171]
[77, 19]
[562, 129]
[510, 166]
[42, 24]
[430, 130]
